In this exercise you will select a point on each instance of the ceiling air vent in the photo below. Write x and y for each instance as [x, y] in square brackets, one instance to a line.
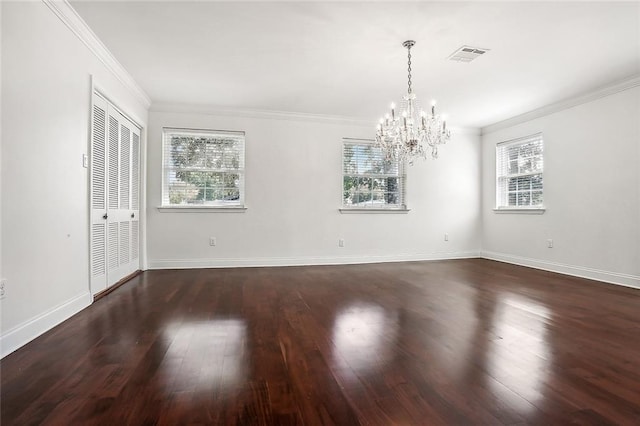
[467, 54]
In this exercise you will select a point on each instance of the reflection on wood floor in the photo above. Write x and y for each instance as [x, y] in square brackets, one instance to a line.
[443, 342]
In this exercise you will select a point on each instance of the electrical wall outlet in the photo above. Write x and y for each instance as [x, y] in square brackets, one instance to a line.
[340, 242]
[550, 243]
[212, 241]
[85, 161]
[446, 237]
[3, 289]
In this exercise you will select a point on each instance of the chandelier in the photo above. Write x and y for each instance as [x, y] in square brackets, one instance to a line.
[413, 132]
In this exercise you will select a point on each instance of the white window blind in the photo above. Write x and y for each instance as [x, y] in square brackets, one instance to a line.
[203, 168]
[519, 170]
[369, 179]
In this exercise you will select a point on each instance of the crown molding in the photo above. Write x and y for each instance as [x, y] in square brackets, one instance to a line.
[279, 115]
[601, 92]
[68, 15]
[257, 113]
[455, 130]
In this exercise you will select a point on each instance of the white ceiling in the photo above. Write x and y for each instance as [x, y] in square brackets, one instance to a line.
[347, 59]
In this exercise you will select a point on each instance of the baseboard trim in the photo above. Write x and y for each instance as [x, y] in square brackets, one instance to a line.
[24, 333]
[109, 290]
[303, 261]
[626, 280]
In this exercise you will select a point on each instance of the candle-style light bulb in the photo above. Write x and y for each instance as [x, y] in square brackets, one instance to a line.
[393, 111]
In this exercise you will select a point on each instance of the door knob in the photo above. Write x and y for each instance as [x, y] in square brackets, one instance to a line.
[105, 216]
[133, 215]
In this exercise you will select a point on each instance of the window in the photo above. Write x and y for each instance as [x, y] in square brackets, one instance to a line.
[203, 168]
[519, 167]
[369, 180]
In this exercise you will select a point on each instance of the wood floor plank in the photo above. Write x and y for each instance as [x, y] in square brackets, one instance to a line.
[442, 342]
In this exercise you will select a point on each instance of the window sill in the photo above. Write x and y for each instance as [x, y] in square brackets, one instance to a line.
[201, 209]
[374, 211]
[520, 211]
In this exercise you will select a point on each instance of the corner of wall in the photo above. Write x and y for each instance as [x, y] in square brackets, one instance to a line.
[57, 268]
[599, 237]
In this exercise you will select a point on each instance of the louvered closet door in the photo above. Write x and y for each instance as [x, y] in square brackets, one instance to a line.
[119, 207]
[135, 200]
[98, 198]
[115, 219]
[129, 186]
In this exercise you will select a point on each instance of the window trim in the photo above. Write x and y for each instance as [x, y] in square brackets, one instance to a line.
[533, 210]
[355, 210]
[202, 208]
[518, 209]
[402, 176]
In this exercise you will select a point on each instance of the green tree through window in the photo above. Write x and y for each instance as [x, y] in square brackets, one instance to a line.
[203, 167]
[519, 173]
[369, 180]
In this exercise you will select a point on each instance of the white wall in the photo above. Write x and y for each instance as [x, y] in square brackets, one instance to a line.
[1, 116]
[46, 94]
[293, 192]
[591, 193]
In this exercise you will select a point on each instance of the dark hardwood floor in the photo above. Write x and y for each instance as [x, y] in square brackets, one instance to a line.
[422, 343]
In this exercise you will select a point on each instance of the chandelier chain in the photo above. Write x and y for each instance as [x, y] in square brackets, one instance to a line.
[409, 68]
